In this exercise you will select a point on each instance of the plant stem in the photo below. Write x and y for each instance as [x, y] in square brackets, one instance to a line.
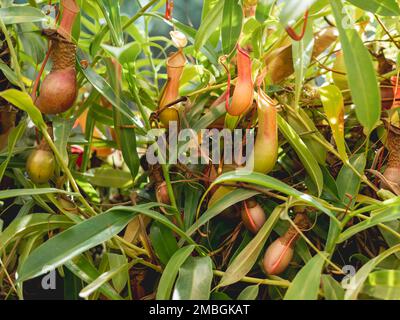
[382, 225]
[387, 32]
[279, 283]
[165, 169]
[139, 14]
[314, 247]
[8, 277]
[13, 54]
[138, 101]
[132, 246]
[209, 88]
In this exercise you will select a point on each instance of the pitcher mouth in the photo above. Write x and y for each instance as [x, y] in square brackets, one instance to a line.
[242, 51]
[180, 64]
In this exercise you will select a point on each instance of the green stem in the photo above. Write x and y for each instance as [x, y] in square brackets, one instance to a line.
[150, 57]
[165, 169]
[13, 54]
[132, 246]
[327, 260]
[139, 14]
[279, 283]
[138, 101]
[209, 88]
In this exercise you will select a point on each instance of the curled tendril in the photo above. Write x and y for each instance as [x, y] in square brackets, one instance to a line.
[293, 34]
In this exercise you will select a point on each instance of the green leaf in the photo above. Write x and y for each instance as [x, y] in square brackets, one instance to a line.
[191, 33]
[103, 279]
[13, 138]
[384, 284]
[357, 281]
[332, 100]
[81, 268]
[246, 259]
[9, 73]
[206, 120]
[302, 53]
[389, 237]
[127, 140]
[21, 14]
[101, 114]
[23, 101]
[305, 127]
[194, 280]
[88, 189]
[274, 184]
[264, 9]
[231, 25]
[210, 23]
[107, 177]
[171, 271]
[37, 222]
[111, 12]
[125, 54]
[377, 217]
[72, 285]
[360, 71]
[6, 194]
[192, 197]
[62, 130]
[307, 158]
[216, 295]
[305, 286]
[104, 88]
[380, 7]
[163, 242]
[145, 209]
[219, 206]
[29, 192]
[85, 235]
[348, 182]
[332, 289]
[126, 133]
[120, 279]
[72, 242]
[249, 293]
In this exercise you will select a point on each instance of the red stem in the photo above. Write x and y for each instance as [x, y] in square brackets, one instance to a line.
[37, 80]
[293, 34]
[169, 9]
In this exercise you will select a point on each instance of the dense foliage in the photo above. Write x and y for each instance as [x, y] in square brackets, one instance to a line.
[86, 87]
